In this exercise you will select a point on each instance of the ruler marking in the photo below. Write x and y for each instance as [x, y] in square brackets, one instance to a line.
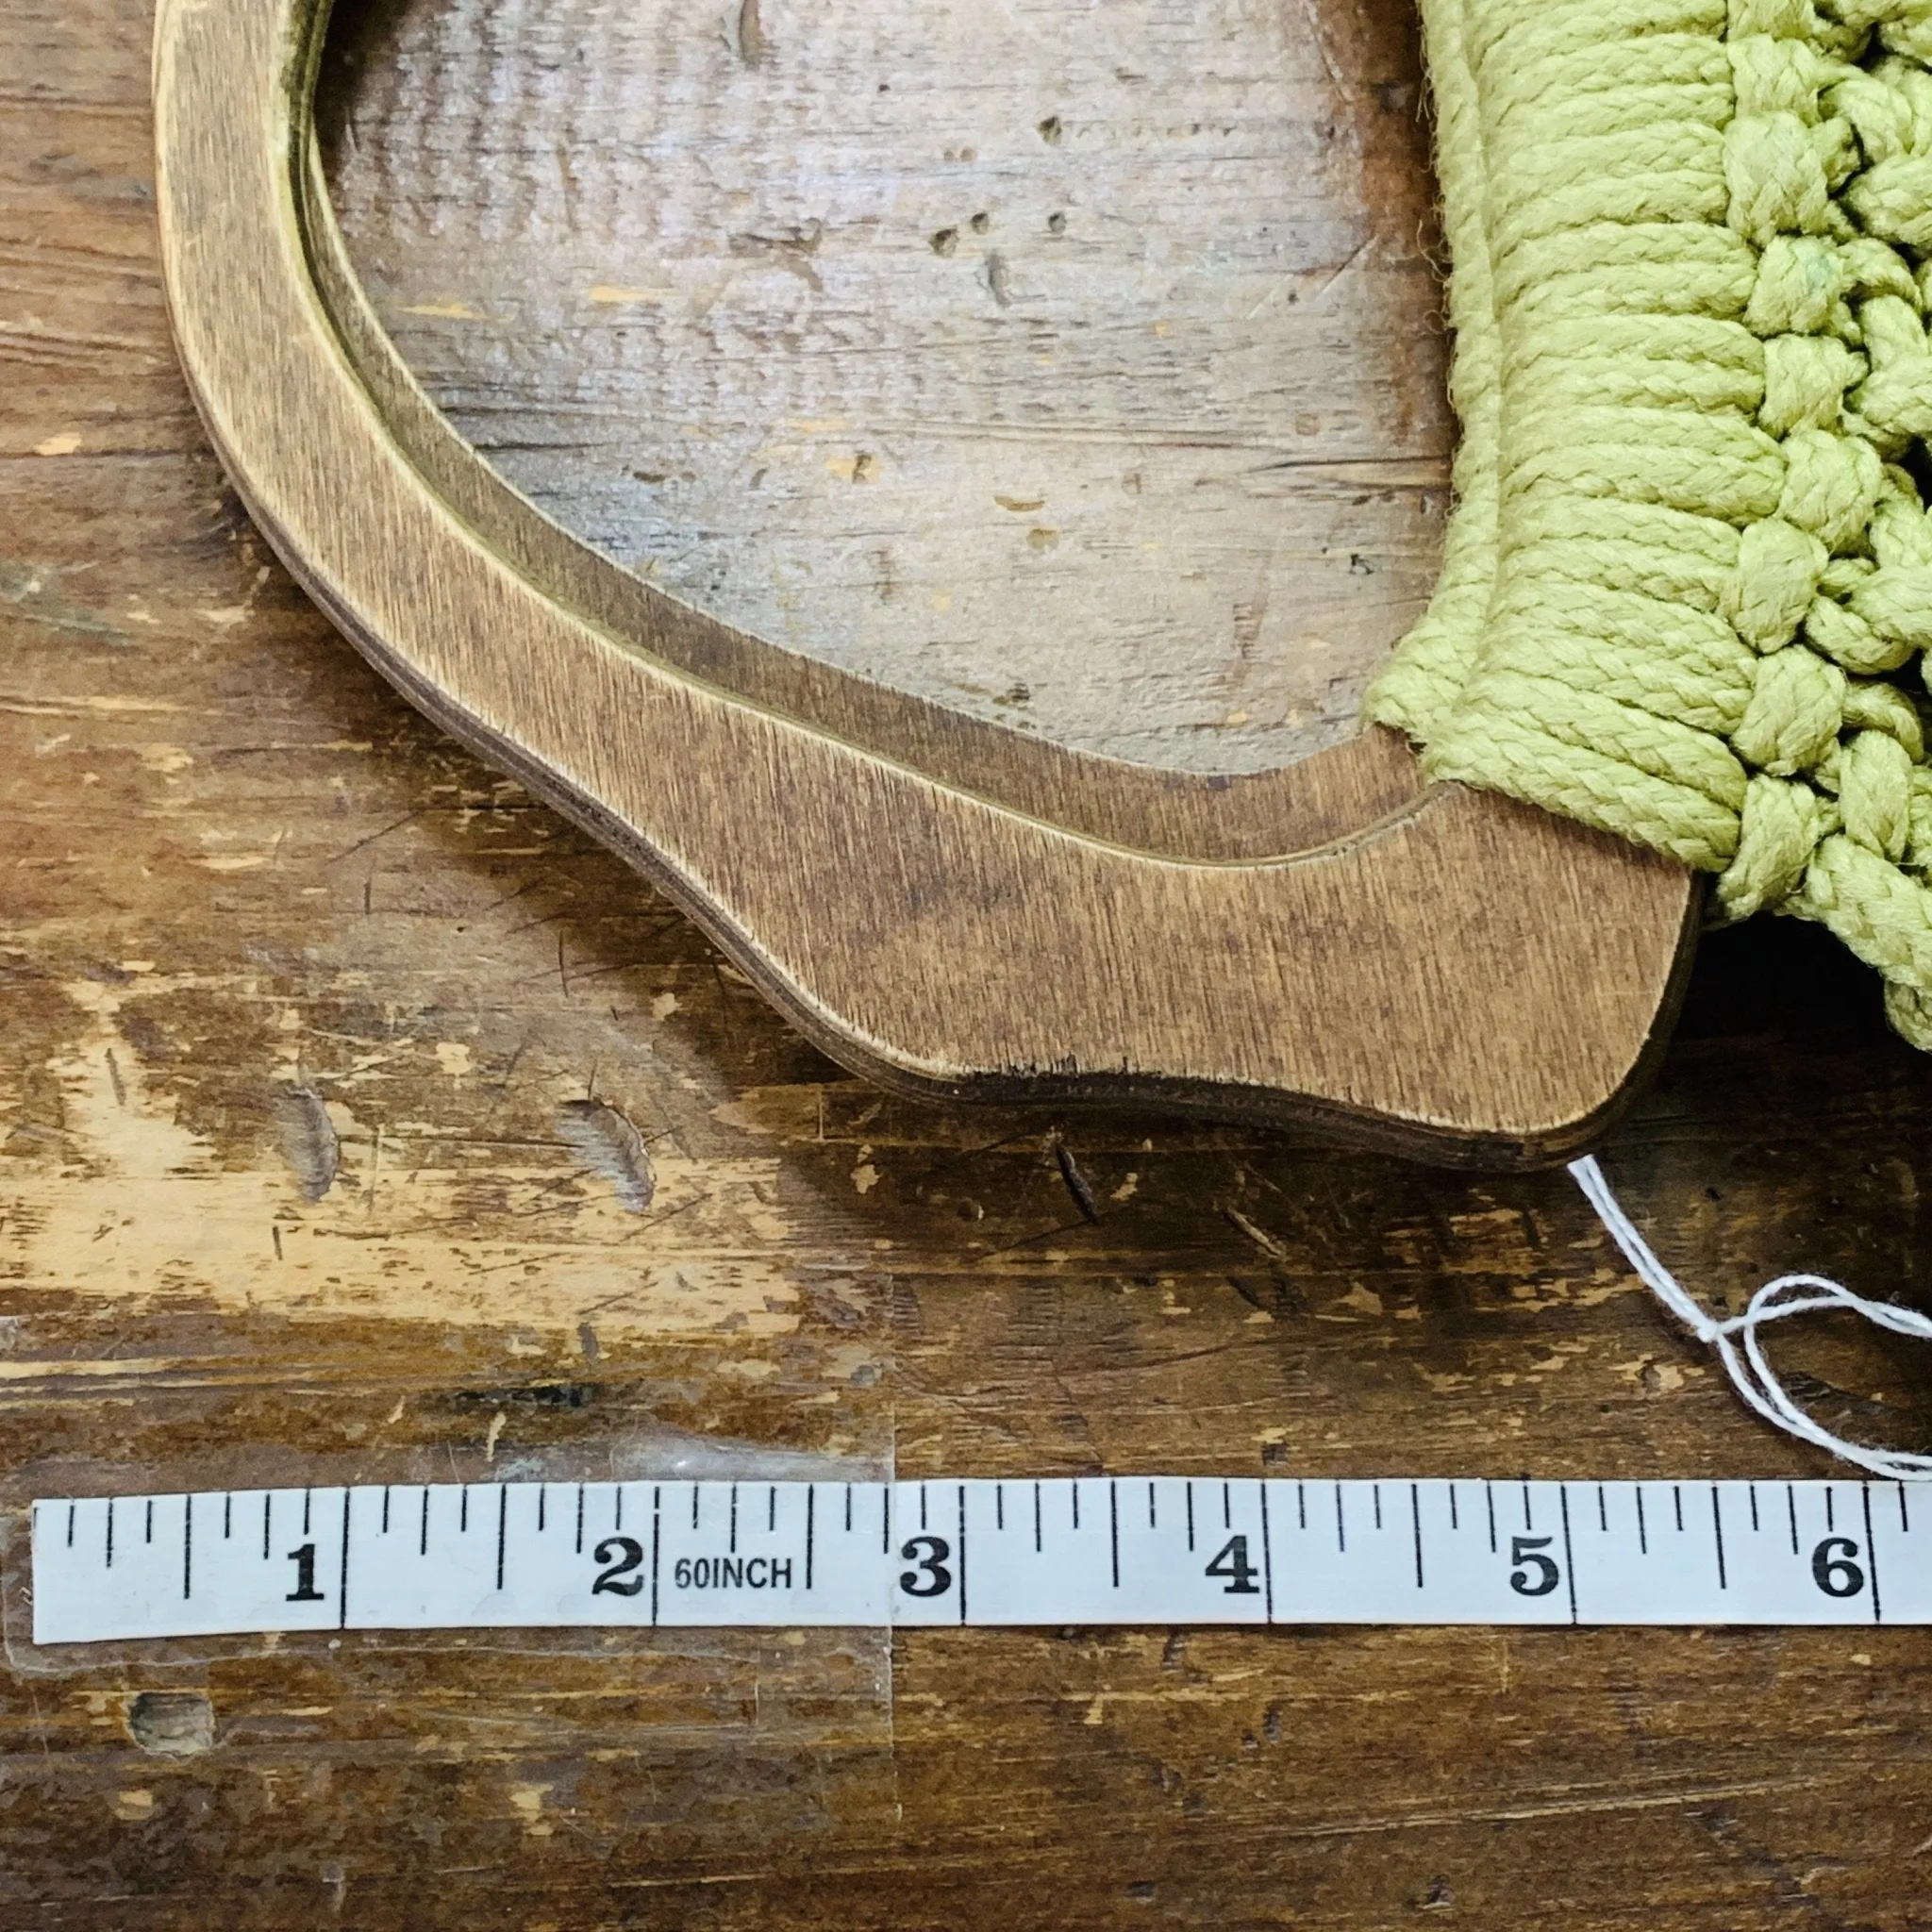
[1077, 1503]
[1036, 1522]
[1113, 1528]
[696, 1491]
[1569, 1557]
[812, 1494]
[268, 1502]
[422, 1532]
[962, 1553]
[999, 1506]
[1191, 1513]
[848, 1508]
[1792, 1504]
[149, 1537]
[1455, 1523]
[1152, 1522]
[1267, 1555]
[502, 1528]
[1717, 1524]
[1870, 1548]
[1301, 1507]
[1752, 1488]
[227, 1519]
[617, 1510]
[1830, 1521]
[1489, 1503]
[385, 1508]
[542, 1497]
[1904, 1523]
[463, 1514]
[886, 1519]
[72, 1510]
[1528, 1523]
[732, 1545]
[1341, 1527]
[772, 1510]
[1378, 1488]
[656, 1546]
[1677, 1504]
[343, 1581]
[1226, 1507]
[1643, 1527]
[111, 1534]
[1415, 1515]
[187, 1548]
[1603, 1511]
[580, 1520]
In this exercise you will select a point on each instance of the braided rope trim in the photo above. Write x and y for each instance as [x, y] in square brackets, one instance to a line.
[1688, 577]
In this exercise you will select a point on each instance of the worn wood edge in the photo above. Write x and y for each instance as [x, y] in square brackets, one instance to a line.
[1228, 816]
[1381, 1109]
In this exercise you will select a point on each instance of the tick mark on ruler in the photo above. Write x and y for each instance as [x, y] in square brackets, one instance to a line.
[72, 1510]
[1717, 1528]
[422, 1537]
[149, 1537]
[1341, 1527]
[502, 1528]
[1490, 1502]
[1643, 1528]
[1678, 1502]
[1792, 1507]
[1415, 1512]
[1603, 1511]
[111, 1534]
[732, 1543]
[1036, 1522]
[268, 1504]
[186, 1547]
[1151, 1523]
[1454, 1521]
[999, 1506]
[1378, 1488]
[228, 1517]
[1113, 1527]
[1751, 1489]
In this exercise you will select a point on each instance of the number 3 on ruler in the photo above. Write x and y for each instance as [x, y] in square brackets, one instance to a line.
[932, 1578]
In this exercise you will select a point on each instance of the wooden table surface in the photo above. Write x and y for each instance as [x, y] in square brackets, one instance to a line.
[360, 1116]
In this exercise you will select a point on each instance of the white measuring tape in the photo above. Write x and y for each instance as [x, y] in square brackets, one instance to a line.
[1156, 1550]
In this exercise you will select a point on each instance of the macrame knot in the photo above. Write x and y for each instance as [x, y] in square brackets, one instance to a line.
[1894, 402]
[1794, 714]
[1831, 485]
[1799, 288]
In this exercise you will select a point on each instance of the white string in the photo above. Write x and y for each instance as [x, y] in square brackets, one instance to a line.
[1751, 1375]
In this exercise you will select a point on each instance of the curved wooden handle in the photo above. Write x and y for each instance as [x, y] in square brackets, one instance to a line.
[1445, 972]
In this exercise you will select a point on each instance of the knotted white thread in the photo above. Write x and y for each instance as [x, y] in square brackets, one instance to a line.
[1751, 1375]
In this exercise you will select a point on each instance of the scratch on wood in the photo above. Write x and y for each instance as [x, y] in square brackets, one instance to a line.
[310, 1142]
[606, 1142]
[1077, 1184]
[754, 49]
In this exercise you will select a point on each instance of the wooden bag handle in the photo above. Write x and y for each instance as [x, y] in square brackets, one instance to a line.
[945, 906]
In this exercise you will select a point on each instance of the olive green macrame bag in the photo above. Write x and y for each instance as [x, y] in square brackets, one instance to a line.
[1688, 574]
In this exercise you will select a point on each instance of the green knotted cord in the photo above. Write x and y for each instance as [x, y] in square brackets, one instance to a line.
[1688, 572]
